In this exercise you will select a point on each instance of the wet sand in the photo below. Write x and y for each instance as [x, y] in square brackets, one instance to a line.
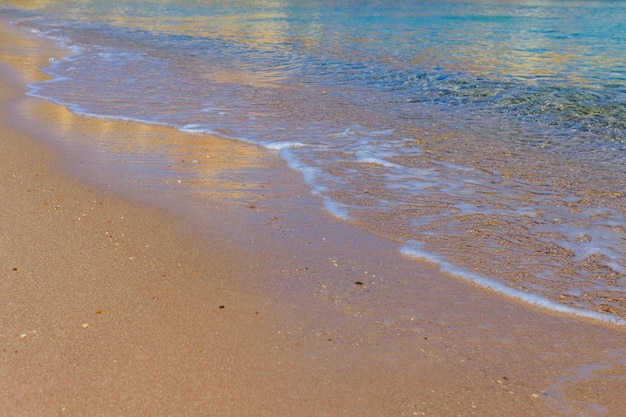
[124, 295]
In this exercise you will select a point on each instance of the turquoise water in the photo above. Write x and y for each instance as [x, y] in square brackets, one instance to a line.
[488, 136]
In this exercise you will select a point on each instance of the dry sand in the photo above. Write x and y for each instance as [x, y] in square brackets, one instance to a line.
[256, 304]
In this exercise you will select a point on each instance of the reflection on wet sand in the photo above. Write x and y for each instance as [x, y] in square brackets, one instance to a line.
[145, 157]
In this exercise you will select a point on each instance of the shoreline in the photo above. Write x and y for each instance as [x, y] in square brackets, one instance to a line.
[296, 335]
[245, 174]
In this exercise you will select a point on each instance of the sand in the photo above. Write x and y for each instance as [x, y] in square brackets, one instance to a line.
[116, 299]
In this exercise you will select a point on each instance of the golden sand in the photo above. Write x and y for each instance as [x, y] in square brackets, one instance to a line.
[270, 308]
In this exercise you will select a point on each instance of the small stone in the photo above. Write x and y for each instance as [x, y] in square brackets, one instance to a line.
[85, 325]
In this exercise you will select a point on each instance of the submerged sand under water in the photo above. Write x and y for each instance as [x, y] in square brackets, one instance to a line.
[497, 166]
[122, 298]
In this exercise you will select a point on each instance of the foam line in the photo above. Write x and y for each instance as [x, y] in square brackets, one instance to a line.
[415, 250]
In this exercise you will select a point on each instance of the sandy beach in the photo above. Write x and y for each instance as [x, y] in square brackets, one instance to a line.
[116, 300]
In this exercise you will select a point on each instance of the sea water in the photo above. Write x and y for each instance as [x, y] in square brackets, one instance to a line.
[488, 136]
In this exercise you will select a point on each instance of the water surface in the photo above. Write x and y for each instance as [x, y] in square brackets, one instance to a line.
[488, 137]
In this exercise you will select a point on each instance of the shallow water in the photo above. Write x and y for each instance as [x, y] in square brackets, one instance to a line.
[489, 137]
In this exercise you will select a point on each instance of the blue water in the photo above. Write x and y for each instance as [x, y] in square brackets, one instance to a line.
[489, 136]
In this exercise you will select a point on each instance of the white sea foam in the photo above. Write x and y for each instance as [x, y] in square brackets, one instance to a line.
[414, 249]
[197, 129]
[348, 148]
[336, 209]
[602, 240]
[279, 146]
[367, 156]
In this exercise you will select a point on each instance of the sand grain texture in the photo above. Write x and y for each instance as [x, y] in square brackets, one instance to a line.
[111, 307]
